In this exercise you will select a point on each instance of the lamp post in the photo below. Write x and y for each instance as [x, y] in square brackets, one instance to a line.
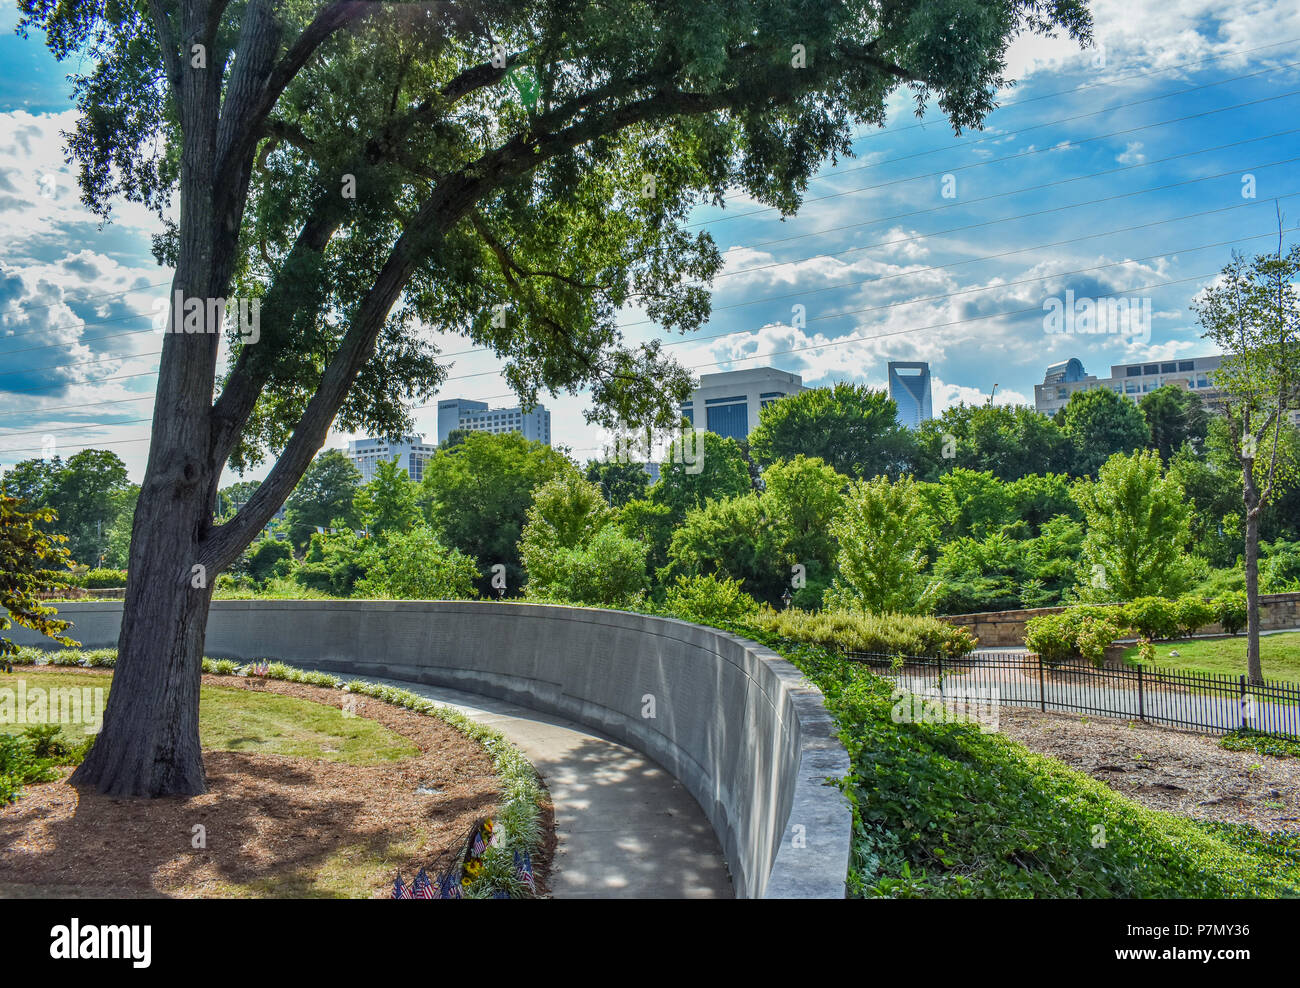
[786, 598]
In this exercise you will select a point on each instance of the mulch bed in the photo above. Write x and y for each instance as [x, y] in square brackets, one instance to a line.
[264, 815]
[1177, 771]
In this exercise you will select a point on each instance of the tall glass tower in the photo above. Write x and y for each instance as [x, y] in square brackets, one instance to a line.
[909, 386]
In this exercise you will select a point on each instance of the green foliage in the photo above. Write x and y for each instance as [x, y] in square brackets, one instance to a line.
[708, 467]
[1138, 527]
[1153, 618]
[415, 565]
[943, 810]
[1073, 634]
[1009, 442]
[886, 634]
[1101, 424]
[324, 497]
[1192, 613]
[620, 481]
[98, 579]
[88, 492]
[388, 503]
[1245, 739]
[31, 562]
[881, 561]
[1174, 416]
[852, 428]
[268, 558]
[1230, 611]
[606, 570]
[476, 495]
[565, 514]
[708, 600]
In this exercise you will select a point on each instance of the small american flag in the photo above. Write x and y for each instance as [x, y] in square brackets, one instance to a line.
[400, 891]
[422, 888]
[478, 847]
[450, 887]
[524, 868]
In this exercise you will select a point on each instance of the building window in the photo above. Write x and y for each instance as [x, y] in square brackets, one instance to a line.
[1186, 365]
[1168, 368]
[1133, 372]
[1151, 369]
[729, 420]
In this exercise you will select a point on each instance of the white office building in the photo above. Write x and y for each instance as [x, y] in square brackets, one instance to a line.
[410, 452]
[728, 403]
[909, 386]
[475, 416]
[1130, 380]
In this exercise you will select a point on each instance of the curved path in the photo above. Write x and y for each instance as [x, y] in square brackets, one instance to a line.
[624, 826]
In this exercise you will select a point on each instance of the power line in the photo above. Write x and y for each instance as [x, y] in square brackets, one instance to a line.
[1062, 146]
[1049, 123]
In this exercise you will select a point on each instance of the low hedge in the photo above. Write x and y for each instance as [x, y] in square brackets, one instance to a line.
[884, 634]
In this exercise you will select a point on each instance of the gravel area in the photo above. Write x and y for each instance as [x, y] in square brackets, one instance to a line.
[1177, 771]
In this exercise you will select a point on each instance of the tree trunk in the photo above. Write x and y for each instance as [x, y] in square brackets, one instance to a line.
[1254, 671]
[149, 742]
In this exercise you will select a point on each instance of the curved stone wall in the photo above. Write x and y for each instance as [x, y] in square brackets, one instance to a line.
[738, 725]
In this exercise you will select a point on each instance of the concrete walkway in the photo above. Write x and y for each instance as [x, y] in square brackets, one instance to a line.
[625, 827]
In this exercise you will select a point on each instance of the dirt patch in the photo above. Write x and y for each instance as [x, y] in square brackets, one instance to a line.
[274, 825]
[1178, 771]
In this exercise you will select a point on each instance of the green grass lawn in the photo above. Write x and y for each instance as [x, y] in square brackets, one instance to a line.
[266, 723]
[1279, 655]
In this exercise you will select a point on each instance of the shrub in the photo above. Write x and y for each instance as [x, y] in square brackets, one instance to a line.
[1191, 614]
[1076, 633]
[19, 766]
[708, 600]
[99, 579]
[1152, 617]
[851, 631]
[1230, 610]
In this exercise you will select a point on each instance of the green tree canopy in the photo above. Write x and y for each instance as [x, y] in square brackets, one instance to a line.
[1174, 416]
[1099, 424]
[700, 466]
[476, 496]
[620, 481]
[388, 503]
[1138, 529]
[31, 561]
[88, 491]
[852, 428]
[1007, 441]
[882, 536]
[323, 496]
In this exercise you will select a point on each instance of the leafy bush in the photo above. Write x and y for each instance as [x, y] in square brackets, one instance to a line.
[1072, 634]
[607, 571]
[708, 600]
[415, 565]
[268, 558]
[1191, 614]
[1244, 739]
[97, 579]
[885, 634]
[1230, 611]
[20, 766]
[1152, 617]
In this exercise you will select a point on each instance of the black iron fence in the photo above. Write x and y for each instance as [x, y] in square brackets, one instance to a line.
[1191, 700]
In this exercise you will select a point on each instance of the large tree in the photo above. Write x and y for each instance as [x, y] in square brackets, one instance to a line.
[1100, 424]
[853, 428]
[88, 491]
[1174, 416]
[323, 496]
[1252, 312]
[513, 171]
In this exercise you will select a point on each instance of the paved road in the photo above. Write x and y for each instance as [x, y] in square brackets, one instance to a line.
[625, 827]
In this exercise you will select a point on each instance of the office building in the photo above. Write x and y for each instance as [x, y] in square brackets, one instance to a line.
[909, 386]
[1130, 380]
[728, 403]
[410, 453]
[475, 416]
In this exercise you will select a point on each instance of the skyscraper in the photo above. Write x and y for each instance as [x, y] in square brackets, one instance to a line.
[909, 386]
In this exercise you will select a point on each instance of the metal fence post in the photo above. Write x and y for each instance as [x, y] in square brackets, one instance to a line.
[1242, 703]
[1042, 688]
[940, 657]
[1142, 715]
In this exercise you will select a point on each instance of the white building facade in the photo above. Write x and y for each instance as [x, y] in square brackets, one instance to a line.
[410, 452]
[476, 416]
[728, 403]
[1132, 381]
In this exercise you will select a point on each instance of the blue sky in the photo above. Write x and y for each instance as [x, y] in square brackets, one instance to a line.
[1113, 172]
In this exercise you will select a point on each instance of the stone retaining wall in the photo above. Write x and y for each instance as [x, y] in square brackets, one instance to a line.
[1006, 629]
